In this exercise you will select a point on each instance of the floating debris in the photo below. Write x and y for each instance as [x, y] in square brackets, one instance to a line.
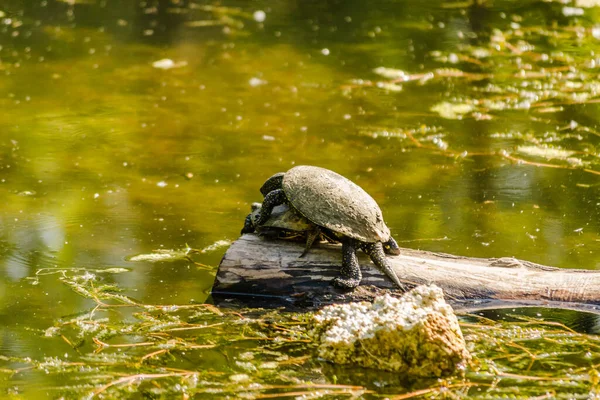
[391, 73]
[254, 82]
[161, 255]
[259, 16]
[587, 3]
[572, 11]
[548, 153]
[452, 110]
[167, 63]
[215, 246]
[389, 86]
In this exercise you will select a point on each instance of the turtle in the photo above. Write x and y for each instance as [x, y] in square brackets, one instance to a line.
[283, 223]
[341, 209]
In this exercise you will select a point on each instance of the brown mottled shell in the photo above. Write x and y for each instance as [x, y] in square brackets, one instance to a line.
[282, 217]
[336, 203]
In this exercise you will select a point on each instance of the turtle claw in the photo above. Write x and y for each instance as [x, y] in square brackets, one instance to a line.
[376, 252]
[310, 239]
[347, 284]
[304, 253]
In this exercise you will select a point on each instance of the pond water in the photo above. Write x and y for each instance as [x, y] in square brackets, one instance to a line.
[128, 127]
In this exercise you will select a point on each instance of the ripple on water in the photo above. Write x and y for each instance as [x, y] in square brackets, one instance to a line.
[69, 237]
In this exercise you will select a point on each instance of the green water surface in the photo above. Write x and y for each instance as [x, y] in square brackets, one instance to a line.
[128, 126]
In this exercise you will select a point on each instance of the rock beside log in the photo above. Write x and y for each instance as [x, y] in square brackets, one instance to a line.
[417, 335]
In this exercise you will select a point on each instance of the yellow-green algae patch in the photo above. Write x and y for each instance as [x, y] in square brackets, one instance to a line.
[417, 335]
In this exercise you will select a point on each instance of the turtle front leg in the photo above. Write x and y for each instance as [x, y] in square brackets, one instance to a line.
[310, 239]
[375, 251]
[272, 199]
[351, 275]
[391, 247]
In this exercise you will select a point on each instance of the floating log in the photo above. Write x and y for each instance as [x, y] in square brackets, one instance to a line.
[271, 270]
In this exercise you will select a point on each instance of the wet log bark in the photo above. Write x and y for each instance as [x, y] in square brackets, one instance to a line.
[272, 272]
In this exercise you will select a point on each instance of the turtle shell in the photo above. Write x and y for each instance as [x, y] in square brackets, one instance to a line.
[336, 203]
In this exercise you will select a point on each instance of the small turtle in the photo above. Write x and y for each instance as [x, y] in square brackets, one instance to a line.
[283, 223]
[341, 209]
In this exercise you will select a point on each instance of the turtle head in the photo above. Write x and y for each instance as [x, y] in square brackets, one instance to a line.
[250, 221]
[248, 225]
[391, 247]
[272, 183]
